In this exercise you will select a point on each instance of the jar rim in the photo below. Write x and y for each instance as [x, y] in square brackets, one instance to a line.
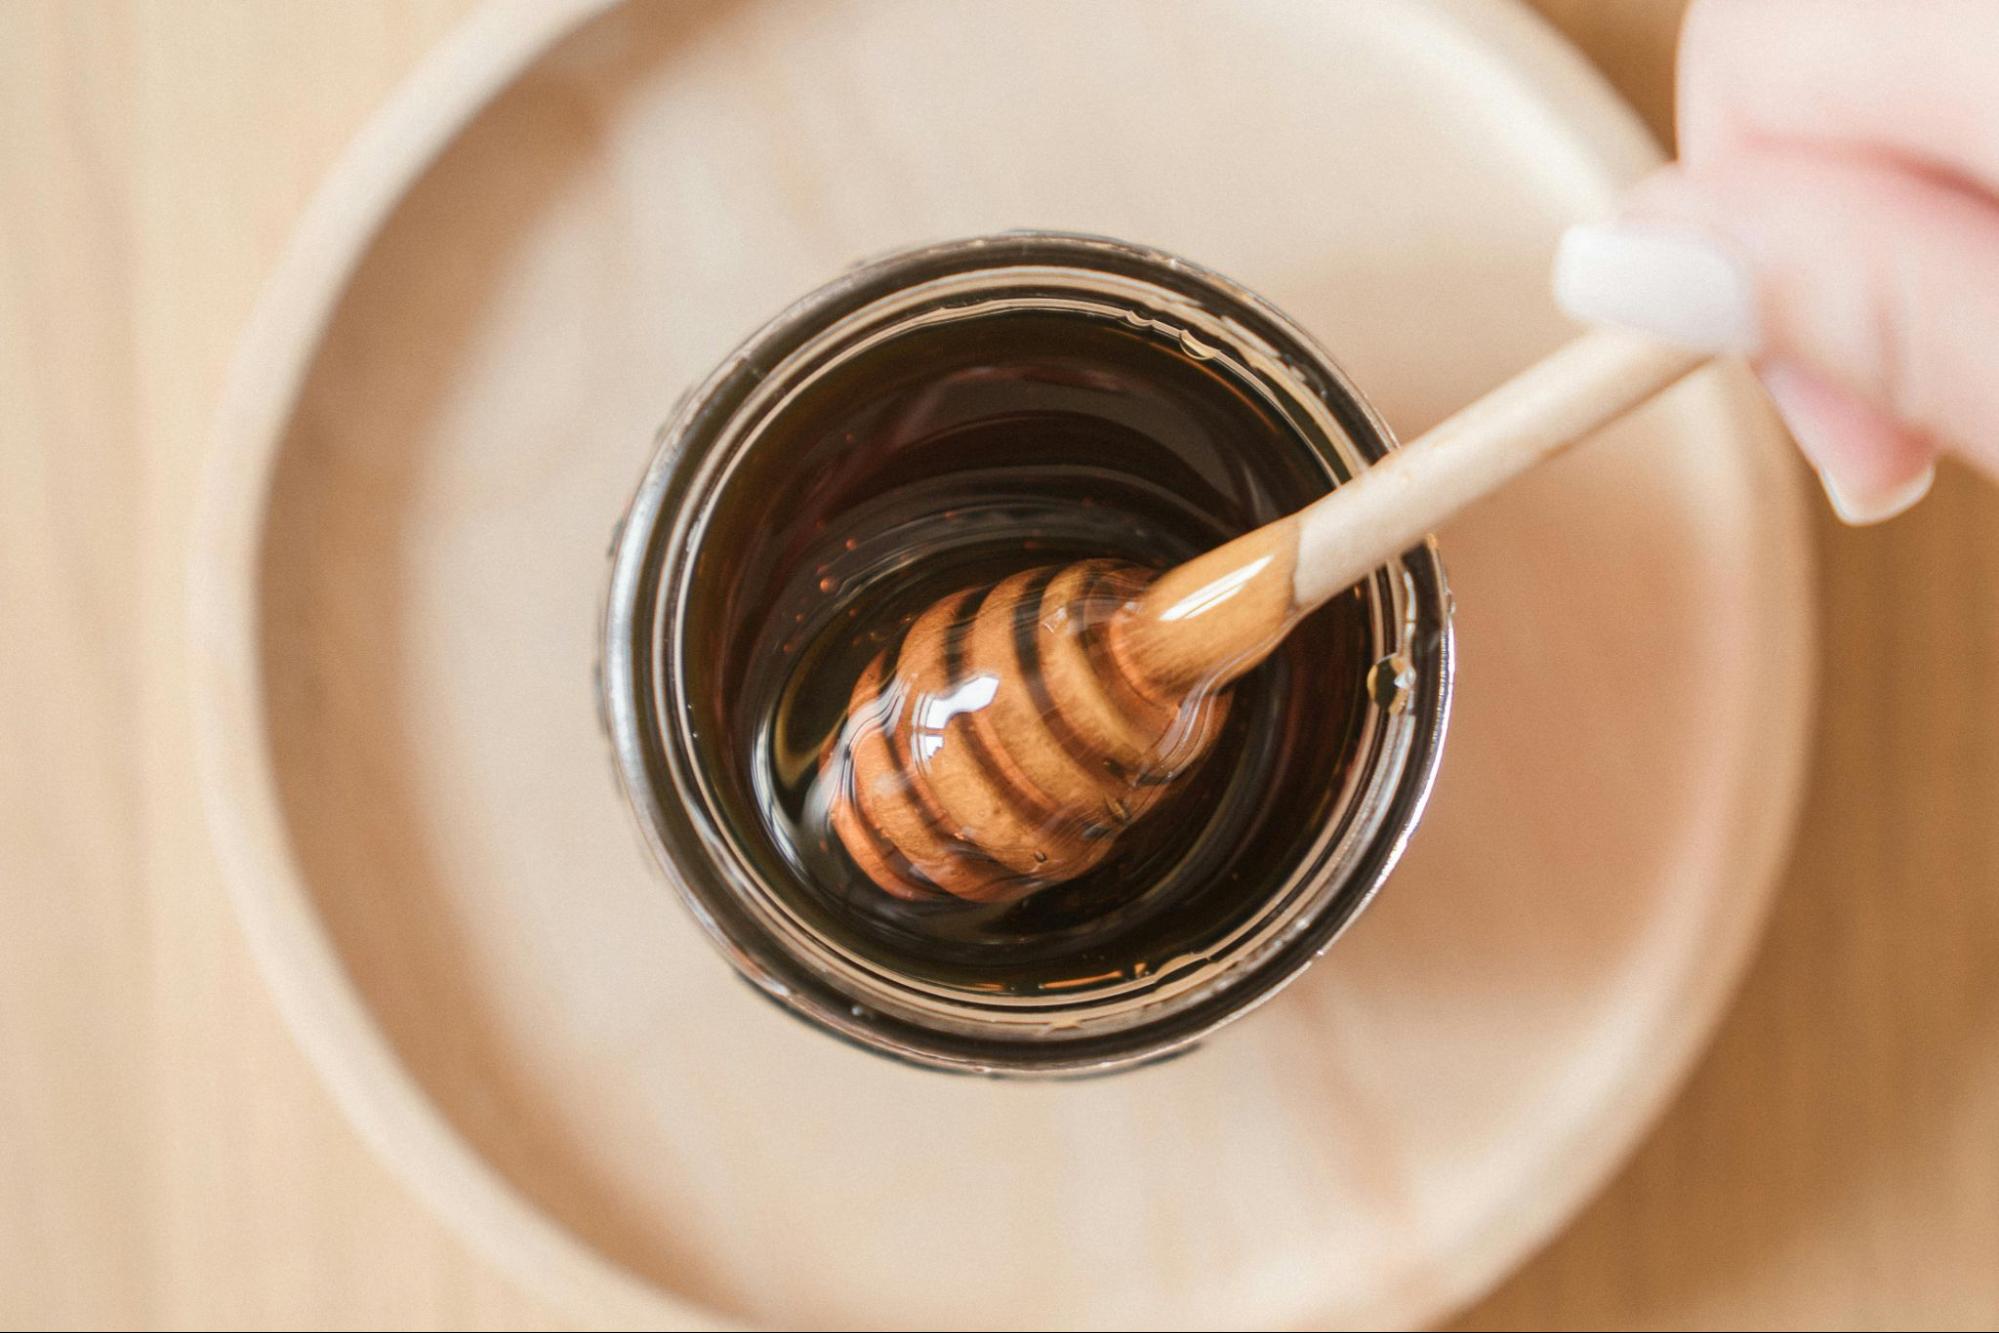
[657, 752]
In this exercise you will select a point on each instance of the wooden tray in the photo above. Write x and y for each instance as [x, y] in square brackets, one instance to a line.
[568, 217]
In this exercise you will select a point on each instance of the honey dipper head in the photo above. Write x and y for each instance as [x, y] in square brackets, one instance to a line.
[1004, 744]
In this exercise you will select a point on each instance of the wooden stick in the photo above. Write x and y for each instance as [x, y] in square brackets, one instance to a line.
[1217, 616]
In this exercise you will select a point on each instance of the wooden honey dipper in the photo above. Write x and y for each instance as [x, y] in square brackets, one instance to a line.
[1016, 731]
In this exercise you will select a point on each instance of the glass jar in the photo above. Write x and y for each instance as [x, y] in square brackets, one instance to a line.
[1334, 758]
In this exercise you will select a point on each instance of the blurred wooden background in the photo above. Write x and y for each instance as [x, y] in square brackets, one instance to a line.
[166, 1157]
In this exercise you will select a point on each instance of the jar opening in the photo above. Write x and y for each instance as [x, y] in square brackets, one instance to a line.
[962, 412]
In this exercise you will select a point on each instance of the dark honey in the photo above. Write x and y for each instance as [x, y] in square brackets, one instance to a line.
[949, 457]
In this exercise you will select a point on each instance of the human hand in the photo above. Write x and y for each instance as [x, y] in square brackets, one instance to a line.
[1834, 216]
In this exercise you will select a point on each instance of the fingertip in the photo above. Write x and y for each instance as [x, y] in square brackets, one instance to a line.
[1872, 469]
[1864, 509]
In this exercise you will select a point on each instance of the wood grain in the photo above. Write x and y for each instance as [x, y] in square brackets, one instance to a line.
[165, 1156]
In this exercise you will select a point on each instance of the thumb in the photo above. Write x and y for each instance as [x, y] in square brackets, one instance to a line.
[1866, 294]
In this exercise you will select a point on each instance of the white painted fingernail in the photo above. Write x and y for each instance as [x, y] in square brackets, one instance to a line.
[1667, 281]
[1859, 510]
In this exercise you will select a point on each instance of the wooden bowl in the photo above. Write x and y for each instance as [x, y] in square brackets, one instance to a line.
[439, 410]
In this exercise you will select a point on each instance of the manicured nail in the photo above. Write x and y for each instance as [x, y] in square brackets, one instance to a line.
[1667, 281]
[1861, 509]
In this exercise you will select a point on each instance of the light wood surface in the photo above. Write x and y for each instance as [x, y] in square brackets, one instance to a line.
[166, 1157]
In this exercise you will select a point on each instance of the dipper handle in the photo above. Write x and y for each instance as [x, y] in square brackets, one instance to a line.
[1215, 617]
